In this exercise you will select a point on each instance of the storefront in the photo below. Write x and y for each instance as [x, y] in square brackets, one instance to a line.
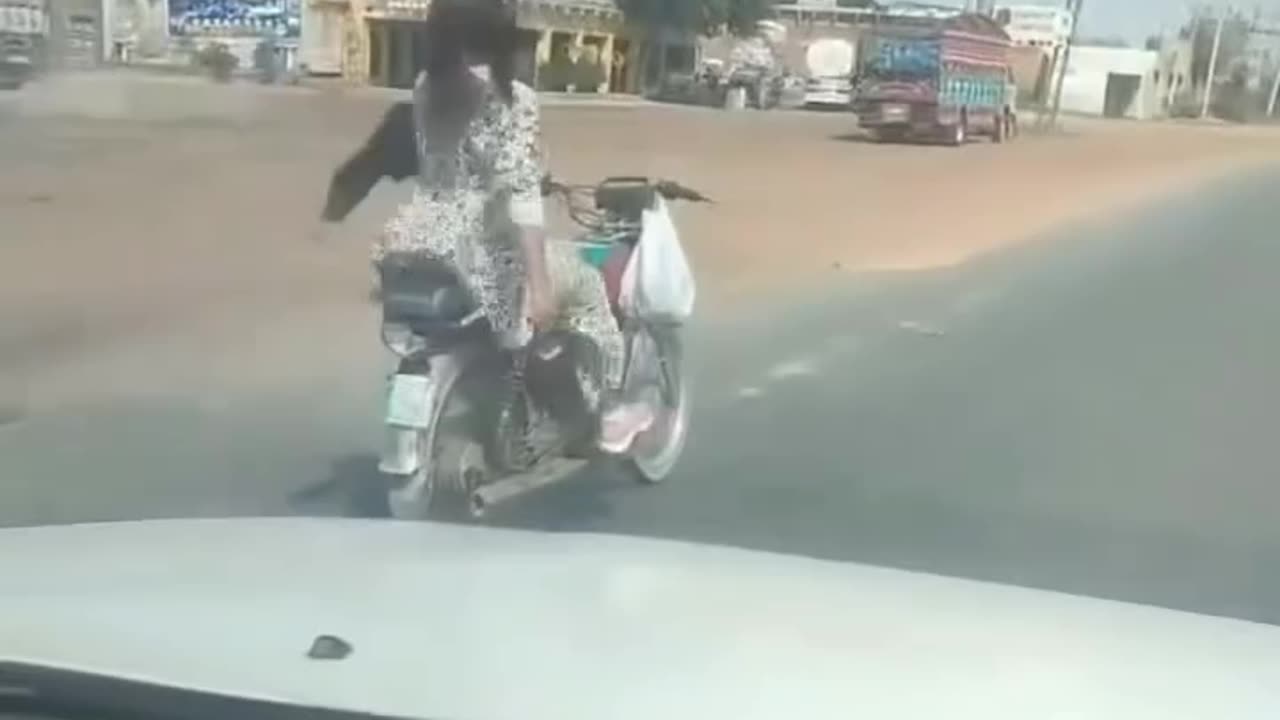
[324, 32]
[77, 34]
[565, 44]
[24, 31]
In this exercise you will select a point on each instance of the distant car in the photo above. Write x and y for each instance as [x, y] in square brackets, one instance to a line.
[286, 617]
[15, 60]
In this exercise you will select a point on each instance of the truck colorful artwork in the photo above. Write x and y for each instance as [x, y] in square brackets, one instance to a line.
[944, 78]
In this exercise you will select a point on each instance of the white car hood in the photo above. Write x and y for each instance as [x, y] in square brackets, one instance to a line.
[479, 624]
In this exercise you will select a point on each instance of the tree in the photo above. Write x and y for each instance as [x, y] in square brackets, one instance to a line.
[699, 16]
[1235, 38]
[740, 17]
[687, 16]
[662, 14]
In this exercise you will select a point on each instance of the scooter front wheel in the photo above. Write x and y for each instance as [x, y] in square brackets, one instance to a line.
[657, 451]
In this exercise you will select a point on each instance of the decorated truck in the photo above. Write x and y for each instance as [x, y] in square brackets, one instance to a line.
[943, 78]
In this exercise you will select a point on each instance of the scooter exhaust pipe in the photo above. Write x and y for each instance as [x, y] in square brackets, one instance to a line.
[552, 472]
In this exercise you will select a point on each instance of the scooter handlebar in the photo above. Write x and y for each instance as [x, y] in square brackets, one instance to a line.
[668, 189]
[672, 190]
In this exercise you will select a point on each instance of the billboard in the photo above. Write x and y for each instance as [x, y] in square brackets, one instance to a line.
[279, 18]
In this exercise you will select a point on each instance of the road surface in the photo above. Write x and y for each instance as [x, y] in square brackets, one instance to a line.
[1094, 413]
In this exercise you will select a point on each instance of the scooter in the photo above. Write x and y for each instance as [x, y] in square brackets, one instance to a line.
[471, 426]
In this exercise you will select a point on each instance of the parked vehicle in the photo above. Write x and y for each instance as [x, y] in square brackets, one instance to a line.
[24, 25]
[755, 70]
[830, 63]
[471, 425]
[939, 78]
[762, 86]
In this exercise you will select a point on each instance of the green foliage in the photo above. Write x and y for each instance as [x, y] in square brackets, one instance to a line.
[218, 60]
[702, 16]
[741, 16]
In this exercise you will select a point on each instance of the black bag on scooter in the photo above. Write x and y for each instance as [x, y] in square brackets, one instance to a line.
[558, 366]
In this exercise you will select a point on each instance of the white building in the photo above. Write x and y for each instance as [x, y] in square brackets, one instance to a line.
[1036, 25]
[1113, 82]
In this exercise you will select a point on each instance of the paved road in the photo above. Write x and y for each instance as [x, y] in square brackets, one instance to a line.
[1094, 414]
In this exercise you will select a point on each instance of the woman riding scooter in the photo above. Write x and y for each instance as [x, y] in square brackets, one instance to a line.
[471, 141]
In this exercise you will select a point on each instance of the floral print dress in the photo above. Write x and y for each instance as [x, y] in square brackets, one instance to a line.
[465, 209]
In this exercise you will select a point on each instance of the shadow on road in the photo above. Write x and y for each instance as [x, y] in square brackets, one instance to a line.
[861, 138]
[579, 504]
[353, 489]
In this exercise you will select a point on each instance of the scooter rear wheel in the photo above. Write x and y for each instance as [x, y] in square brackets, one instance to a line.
[451, 462]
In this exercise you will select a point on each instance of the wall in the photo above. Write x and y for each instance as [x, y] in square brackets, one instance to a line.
[1031, 66]
[1085, 87]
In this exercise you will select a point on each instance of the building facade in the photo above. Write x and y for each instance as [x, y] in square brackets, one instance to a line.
[1113, 82]
[79, 33]
[583, 45]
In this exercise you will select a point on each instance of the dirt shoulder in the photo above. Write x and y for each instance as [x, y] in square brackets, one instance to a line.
[132, 208]
[801, 195]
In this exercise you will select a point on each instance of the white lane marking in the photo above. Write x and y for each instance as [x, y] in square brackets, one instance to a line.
[921, 328]
[800, 367]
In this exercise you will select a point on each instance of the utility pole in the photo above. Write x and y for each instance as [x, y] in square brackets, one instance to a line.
[1065, 60]
[1273, 31]
[1275, 93]
[1213, 63]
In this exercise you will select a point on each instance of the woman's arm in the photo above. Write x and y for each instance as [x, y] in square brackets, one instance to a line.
[520, 174]
[389, 152]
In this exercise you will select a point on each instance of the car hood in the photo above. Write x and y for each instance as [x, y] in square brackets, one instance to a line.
[462, 624]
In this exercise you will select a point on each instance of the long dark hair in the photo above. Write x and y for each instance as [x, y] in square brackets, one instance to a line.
[459, 33]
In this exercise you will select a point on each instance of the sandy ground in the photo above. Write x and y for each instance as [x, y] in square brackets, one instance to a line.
[136, 205]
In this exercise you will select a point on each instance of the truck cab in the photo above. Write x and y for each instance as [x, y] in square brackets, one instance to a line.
[941, 78]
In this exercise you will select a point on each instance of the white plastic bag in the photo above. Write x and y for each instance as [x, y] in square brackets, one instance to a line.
[657, 283]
